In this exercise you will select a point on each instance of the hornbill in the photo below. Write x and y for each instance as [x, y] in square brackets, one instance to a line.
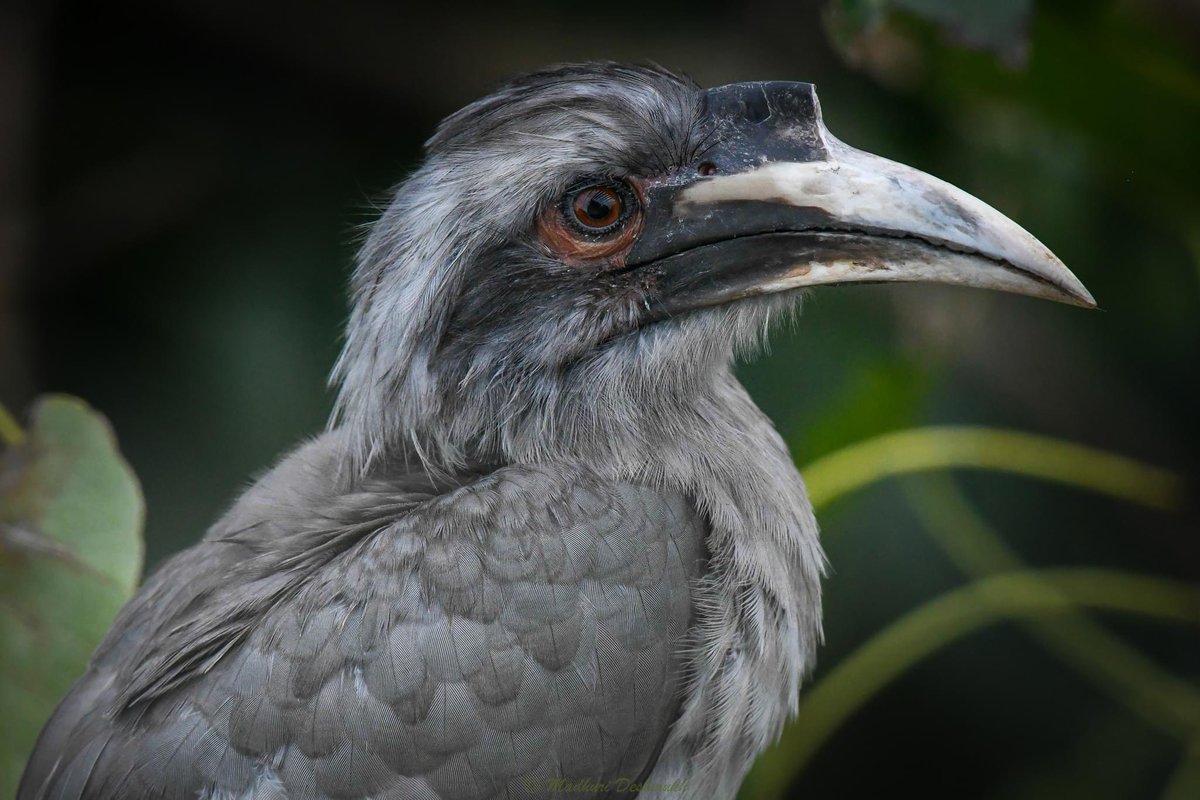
[548, 546]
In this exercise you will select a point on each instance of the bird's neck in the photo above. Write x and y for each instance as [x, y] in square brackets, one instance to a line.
[708, 440]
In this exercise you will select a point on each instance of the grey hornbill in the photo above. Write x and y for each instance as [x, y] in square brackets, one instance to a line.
[548, 546]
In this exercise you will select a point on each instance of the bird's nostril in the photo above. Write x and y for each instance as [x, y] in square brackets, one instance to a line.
[706, 168]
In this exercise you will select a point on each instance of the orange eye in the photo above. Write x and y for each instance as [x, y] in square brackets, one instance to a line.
[595, 222]
[597, 207]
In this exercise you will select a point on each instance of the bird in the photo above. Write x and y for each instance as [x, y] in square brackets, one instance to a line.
[548, 545]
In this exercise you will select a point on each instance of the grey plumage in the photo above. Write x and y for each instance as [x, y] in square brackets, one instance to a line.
[442, 655]
[549, 546]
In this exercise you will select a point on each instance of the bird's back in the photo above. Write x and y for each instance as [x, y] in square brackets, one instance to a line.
[522, 635]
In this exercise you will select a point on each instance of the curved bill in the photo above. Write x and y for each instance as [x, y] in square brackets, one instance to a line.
[778, 203]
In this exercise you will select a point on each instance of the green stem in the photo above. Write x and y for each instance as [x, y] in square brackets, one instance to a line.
[1185, 783]
[945, 619]
[1162, 699]
[11, 433]
[923, 449]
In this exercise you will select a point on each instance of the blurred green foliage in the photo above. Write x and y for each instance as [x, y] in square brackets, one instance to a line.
[71, 516]
[1051, 602]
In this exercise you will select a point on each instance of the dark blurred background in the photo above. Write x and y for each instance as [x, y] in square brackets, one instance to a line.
[183, 184]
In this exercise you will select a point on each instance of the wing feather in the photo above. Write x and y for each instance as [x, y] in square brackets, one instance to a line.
[488, 641]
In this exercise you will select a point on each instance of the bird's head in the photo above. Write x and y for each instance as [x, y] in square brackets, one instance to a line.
[581, 252]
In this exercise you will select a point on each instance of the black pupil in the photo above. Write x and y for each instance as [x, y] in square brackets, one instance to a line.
[599, 206]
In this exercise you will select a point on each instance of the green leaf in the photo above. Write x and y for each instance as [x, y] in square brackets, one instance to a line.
[71, 514]
[927, 629]
[1001, 28]
[1185, 782]
[967, 447]
[1075, 638]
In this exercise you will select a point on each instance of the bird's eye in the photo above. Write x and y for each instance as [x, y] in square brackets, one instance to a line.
[599, 208]
[594, 223]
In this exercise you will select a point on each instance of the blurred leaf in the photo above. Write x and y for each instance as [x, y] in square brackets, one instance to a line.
[850, 18]
[1075, 638]
[996, 26]
[71, 514]
[1185, 783]
[1027, 454]
[880, 397]
[1023, 594]
[930, 627]
[10, 431]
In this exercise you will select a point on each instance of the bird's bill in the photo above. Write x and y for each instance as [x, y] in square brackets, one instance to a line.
[786, 205]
